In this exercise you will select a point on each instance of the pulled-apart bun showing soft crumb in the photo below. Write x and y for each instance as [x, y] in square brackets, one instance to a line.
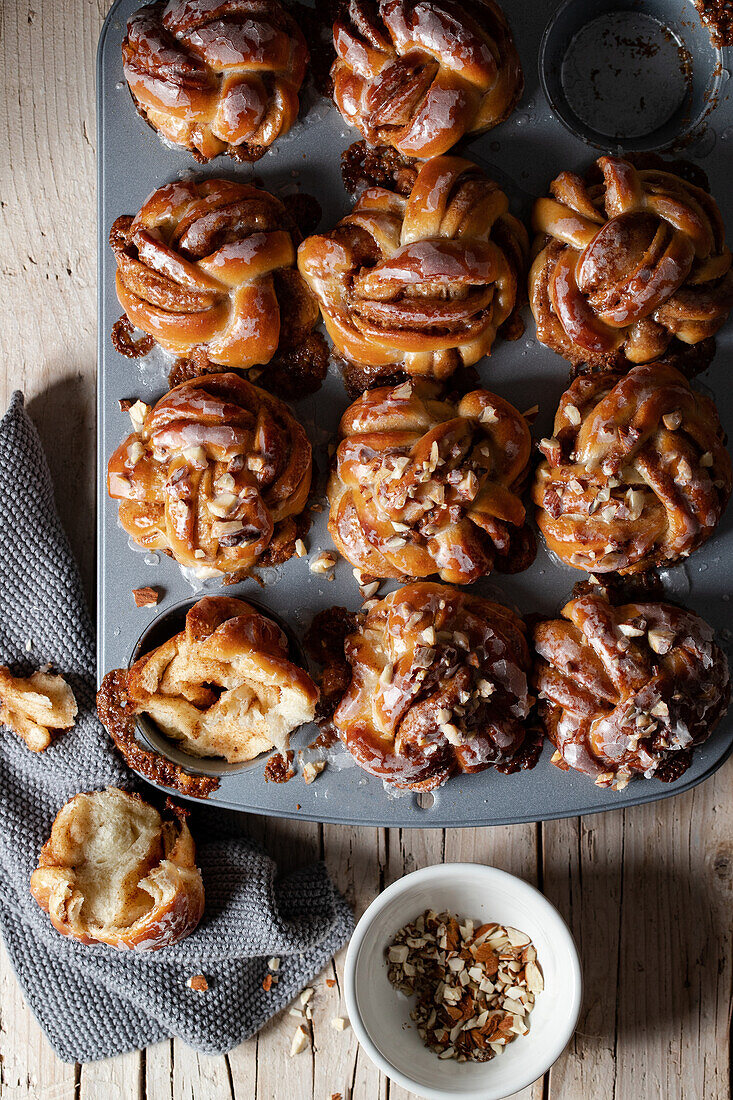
[225, 685]
[114, 871]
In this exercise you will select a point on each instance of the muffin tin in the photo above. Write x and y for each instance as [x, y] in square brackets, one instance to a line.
[550, 131]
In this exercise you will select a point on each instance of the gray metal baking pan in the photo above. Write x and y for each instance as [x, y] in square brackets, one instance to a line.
[523, 155]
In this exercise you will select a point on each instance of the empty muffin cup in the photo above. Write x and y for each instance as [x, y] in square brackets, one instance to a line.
[625, 77]
[164, 626]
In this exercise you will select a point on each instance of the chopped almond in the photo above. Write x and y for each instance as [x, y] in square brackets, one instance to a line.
[198, 983]
[145, 597]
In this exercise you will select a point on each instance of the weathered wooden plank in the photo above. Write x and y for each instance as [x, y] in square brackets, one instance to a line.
[121, 1077]
[354, 858]
[582, 877]
[28, 1066]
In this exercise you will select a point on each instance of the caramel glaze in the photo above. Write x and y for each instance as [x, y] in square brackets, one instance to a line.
[419, 281]
[217, 475]
[419, 74]
[424, 485]
[628, 689]
[118, 718]
[216, 77]
[279, 767]
[291, 374]
[629, 267]
[636, 474]
[436, 685]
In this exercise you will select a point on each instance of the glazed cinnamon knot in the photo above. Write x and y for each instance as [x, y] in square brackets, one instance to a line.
[438, 686]
[214, 474]
[423, 485]
[628, 690]
[208, 265]
[629, 267]
[419, 282]
[636, 475]
[419, 74]
[216, 77]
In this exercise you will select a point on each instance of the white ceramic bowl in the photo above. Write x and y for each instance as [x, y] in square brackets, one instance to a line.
[380, 1015]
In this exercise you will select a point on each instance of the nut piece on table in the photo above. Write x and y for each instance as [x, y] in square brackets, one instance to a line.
[114, 871]
[301, 1040]
[419, 77]
[36, 707]
[620, 490]
[619, 703]
[216, 476]
[631, 265]
[216, 78]
[418, 282]
[426, 484]
[225, 685]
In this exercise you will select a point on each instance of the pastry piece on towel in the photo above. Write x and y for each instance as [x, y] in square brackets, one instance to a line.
[628, 689]
[419, 76]
[115, 871]
[216, 77]
[36, 707]
[631, 265]
[224, 686]
[420, 275]
[426, 484]
[636, 474]
[215, 474]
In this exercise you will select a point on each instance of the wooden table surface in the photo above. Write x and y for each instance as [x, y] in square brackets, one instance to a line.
[647, 891]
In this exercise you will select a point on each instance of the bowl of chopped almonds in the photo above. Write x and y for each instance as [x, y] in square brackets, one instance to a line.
[462, 981]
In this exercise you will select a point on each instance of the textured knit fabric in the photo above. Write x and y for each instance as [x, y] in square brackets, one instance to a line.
[95, 1001]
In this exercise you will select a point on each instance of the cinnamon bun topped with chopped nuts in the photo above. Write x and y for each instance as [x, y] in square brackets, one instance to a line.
[636, 474]
[628, 689]
[425, 484]
[438, 685]
[215, 474]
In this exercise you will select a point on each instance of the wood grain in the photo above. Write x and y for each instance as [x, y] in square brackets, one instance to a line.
[647, 892]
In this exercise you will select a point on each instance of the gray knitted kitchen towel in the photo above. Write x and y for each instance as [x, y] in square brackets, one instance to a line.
[95, 1001]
